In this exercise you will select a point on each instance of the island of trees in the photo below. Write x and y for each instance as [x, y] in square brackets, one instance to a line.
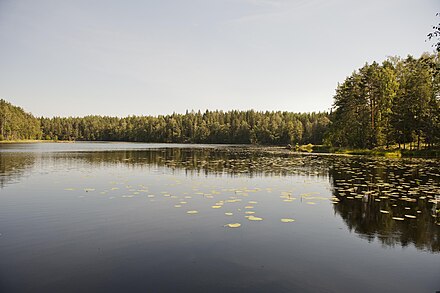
[394, 103]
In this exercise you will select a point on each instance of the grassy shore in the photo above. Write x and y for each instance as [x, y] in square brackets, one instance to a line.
[382, 152]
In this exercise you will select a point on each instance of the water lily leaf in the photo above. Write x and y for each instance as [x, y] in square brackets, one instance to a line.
[233, 225]
[253, 218]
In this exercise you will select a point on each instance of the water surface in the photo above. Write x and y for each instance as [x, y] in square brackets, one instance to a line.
[113, 217]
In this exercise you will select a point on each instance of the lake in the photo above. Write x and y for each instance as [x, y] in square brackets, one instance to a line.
[133, 217]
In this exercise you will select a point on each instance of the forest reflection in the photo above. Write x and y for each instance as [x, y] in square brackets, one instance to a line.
[14, 166]
[392, 201]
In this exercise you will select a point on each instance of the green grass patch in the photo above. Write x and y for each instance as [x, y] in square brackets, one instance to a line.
[393, 152]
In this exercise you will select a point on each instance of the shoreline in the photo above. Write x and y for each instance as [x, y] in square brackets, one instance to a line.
[29, 141]
[303, 149]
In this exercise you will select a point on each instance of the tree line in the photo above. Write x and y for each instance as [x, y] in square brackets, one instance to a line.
[396, 102]
[16, 124]
[242, 127]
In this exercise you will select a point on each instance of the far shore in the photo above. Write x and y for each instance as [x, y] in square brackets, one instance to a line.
[312, 149]
[33, 141]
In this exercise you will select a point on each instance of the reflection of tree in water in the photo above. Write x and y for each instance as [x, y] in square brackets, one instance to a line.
[14, 166]
[228, 161]
[193, 161]
[365, 188]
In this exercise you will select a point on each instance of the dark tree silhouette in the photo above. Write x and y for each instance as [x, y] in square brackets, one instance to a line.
[435, 34]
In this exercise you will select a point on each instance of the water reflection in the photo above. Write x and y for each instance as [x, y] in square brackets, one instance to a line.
[14, 166]
[392, 201]
[233, 161]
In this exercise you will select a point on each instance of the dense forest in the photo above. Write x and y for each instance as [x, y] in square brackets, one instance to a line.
[243, 127]
[396, 102]
[16, 124]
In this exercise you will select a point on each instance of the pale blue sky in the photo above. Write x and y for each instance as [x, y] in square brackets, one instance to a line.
[73, 58]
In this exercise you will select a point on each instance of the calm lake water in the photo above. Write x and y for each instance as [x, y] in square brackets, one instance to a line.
[121, 217]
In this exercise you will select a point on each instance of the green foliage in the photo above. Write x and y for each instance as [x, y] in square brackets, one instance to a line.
[16, 124]
[235, 127]
[395, 102]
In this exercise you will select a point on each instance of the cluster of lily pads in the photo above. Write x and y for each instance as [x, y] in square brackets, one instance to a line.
[234, 200]
[402, 189]
[389, 183]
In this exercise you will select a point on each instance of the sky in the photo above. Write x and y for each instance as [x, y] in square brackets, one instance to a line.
[151, 57]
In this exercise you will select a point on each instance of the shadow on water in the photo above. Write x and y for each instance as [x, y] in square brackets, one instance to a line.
[393, 201]
[14, 166]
